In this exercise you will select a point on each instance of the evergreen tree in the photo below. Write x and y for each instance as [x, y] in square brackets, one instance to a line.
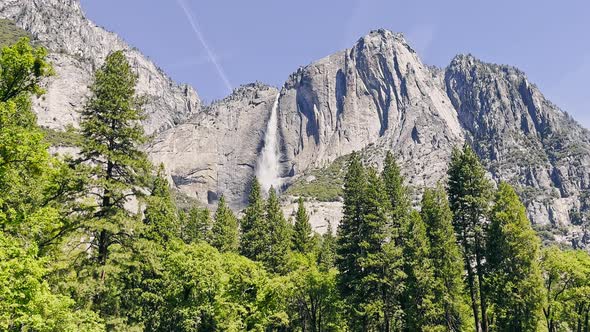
[513, 259]
[161, 223]
[302, 231]
[275, 257]
[327, 254]
[396, 190]
[375, 261]
[197, 226]
[421, 313]
[361, 258]
[470, 195]
[400, 212]
[225, 229]
[446, 258]
[111, 141]
[255, 231]
[348, 250]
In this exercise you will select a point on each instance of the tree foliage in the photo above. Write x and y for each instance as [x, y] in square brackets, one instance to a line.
[97, 243]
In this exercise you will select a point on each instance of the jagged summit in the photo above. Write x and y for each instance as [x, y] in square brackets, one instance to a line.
[77, 46]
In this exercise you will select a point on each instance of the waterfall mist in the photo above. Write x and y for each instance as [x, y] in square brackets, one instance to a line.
[267, 171]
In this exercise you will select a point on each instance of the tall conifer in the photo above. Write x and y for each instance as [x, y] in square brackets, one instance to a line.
[255, 232]
[446, 258]
[514, 273]
[302, 231]
[225, 232]
[470, 198]
[279, 242]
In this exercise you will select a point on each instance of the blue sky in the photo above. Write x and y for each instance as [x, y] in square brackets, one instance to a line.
[216, 45]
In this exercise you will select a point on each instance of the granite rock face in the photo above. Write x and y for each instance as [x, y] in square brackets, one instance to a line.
[523, 138]
[374, 97]
[77, 47]
[216, 151]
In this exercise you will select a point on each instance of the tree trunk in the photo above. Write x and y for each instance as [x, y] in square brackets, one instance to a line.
[482, 297]
[471, 283]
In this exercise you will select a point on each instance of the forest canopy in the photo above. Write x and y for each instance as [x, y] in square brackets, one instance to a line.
[75, 257]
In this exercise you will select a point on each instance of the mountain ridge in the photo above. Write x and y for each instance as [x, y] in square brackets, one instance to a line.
[375, 96]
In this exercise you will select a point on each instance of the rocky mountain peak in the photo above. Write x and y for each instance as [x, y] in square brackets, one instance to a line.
[77, 47]
[383, 39]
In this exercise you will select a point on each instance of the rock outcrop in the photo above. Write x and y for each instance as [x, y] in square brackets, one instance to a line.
[215, 152]
[523, 138]
[77, 47]
[377, 96]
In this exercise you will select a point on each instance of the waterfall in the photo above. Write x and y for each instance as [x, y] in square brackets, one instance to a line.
[267, 171]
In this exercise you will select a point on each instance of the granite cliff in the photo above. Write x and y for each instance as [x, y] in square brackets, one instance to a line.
[375, 96]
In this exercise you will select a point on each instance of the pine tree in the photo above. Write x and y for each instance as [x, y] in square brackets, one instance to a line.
[348, 250]
[446, 258]
[111, 139]
[255, 231]
[160, 216]
[420, 311]
[225, 229]
[197, 226]
[375, 262]
[513, 257]
[302, 231]
[361, 257]
[396, 190]
[276, 256]
[400, 210]
[469, 195]
[327, 254]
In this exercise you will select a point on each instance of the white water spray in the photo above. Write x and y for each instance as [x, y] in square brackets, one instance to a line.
[267, 171]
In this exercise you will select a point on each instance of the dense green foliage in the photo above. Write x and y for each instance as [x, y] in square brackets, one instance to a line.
[101, 242]
[445, 257]
[302, 231]
[470, 199]
[225, 232]
[513, 256]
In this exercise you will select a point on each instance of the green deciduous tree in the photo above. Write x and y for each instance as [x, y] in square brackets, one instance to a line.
[513, 265]
[470, 198]
[446, 259]
[208, 291]
[566, 275]
[225, 233]
[25, 165]
[27, 301]
[314, 297]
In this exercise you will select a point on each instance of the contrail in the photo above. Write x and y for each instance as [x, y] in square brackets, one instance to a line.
[194, 24]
